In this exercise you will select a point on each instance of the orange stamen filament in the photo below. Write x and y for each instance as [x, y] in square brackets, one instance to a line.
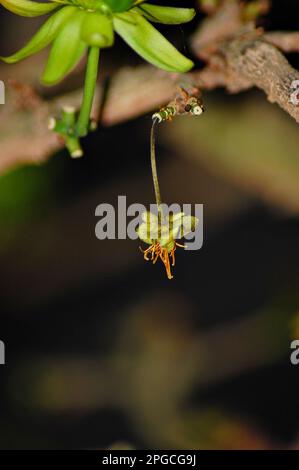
[156, 251]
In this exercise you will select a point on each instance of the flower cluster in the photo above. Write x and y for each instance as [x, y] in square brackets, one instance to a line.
[79, 26]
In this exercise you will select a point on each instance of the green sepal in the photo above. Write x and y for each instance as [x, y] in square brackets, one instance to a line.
[44, 36]
[183, 224]
[118, 6]
[28, 8]
[67, 50]
[166, 15]
[150, 43]
[97, 30]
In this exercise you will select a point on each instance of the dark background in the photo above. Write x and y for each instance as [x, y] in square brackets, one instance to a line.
[101, 349]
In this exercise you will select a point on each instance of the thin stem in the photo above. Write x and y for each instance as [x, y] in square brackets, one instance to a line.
[154, 166]
[89, 90]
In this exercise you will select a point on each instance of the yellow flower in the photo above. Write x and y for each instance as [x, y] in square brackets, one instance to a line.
[161, 234]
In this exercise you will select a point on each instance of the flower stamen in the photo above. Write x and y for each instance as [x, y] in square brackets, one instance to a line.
[157, 251]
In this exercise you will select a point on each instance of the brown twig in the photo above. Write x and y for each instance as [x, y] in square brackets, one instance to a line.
[286, 41]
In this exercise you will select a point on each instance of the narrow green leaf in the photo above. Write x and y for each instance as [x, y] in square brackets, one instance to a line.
[67, 50]
[97, 30]
[28, 8]
[166, 15]
[44, 36]
[149, 43]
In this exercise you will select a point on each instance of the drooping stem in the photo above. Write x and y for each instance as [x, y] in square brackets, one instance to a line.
[89, 90]
[154, 167]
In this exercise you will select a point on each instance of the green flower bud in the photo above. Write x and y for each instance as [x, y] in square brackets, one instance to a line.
[97, 30]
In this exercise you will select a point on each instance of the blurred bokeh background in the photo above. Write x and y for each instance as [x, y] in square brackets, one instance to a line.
[101, 349]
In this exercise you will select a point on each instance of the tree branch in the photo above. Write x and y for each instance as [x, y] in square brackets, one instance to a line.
[237, 57]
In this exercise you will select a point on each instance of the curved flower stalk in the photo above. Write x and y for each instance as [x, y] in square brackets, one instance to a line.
[159, 231]
[77, 27]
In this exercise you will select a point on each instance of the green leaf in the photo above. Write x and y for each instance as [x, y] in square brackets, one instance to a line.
[67, 50]
[97, 30]
[44, 36]
[28, 8]
[149, 43]
[166, 15]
